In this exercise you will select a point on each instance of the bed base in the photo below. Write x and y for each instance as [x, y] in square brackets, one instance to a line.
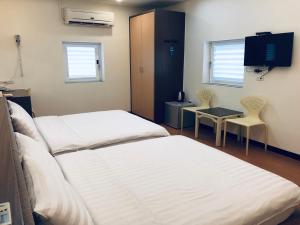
[12, 186]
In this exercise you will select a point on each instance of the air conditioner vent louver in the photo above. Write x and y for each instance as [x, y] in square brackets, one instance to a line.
[89, 23]
[88, 18]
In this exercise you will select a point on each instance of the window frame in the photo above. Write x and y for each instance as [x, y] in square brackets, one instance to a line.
[210, 66]
[99, 56]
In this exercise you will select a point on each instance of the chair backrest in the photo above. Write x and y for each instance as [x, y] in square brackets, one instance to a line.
[254, 105]
[205, 97]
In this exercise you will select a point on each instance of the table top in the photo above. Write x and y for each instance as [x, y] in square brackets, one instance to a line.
[220, 112]
[180, 104]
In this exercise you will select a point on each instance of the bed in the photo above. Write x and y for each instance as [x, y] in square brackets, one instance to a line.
[165, 180]
[173, 181]
[85, 130]
[95, 129]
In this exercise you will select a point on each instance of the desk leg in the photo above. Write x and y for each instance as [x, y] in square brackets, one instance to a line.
[197, 121]
[182, 119]
[219, 132]
[238, 134]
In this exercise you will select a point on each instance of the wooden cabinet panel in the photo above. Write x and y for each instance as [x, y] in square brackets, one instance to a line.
[135, 55]
[147, 81]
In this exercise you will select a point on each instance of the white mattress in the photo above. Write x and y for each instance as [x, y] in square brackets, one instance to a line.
[95, 129]
[175, 181]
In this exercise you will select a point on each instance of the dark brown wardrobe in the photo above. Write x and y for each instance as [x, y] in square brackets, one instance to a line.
[157, 58]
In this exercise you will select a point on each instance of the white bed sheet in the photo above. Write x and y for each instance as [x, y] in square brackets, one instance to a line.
[95, 129]
[175, 181]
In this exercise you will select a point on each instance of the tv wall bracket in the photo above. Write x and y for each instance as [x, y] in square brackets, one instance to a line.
[263, 33]
[262, 72]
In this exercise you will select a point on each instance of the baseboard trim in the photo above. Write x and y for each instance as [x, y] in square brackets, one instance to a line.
[278, 150]
[270, 147]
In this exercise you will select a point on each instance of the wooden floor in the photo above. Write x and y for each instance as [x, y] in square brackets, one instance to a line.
[284, 166]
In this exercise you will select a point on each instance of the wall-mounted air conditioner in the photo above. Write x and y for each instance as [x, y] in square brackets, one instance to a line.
[90, 18]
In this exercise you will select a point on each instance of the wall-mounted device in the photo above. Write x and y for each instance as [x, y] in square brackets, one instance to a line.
[18, 39]
[20, 61]
[268, 50]
[5, 214]
[88, 18]
[272, 50]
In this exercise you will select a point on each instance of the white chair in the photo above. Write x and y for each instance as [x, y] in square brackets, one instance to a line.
[254, 106]
[205, 97]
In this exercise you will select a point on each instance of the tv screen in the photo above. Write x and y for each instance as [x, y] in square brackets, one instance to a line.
[273, 50]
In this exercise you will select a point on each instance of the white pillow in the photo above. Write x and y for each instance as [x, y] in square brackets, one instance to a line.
[51, 195]
[23, 122]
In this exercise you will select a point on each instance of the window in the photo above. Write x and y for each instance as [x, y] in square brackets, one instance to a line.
[84, 62]
[227, 62]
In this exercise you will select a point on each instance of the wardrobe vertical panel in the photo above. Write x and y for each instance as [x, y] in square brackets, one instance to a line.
[135, 67]
[169, 58]
[147, 74]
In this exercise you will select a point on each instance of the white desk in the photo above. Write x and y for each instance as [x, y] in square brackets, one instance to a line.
[192, 109]
[217, 115]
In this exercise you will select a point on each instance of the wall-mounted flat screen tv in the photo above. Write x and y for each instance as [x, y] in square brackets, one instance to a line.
[272, 50]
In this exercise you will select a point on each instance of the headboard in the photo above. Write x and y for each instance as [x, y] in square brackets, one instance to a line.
[12, 182]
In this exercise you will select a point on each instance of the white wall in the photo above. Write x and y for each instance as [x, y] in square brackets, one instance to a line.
[42, 31]
[208, 20]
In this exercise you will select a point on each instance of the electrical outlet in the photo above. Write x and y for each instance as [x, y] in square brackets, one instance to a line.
[5, 214]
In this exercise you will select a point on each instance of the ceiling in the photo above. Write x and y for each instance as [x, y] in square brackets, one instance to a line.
[145, 2]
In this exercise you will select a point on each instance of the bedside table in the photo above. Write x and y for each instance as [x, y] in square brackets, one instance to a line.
[21, 97]
[173, 111]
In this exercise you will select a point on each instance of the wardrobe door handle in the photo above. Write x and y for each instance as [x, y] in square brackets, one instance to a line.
[141, 69]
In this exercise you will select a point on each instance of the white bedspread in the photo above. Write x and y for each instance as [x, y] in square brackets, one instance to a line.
[174, 181]
[95, 129]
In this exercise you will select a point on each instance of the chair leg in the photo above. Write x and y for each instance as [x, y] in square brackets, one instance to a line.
[242, 132]
[247, 140]
[215, 127]
[266, 137]
[225, 132]
[219, 132]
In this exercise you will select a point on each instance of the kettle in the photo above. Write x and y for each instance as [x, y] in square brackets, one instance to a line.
[181, 96]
